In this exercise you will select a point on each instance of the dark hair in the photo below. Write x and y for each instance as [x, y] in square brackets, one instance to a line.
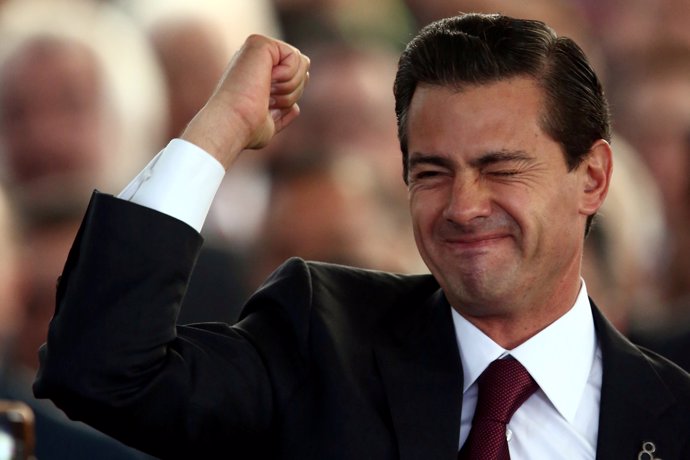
[475, 49]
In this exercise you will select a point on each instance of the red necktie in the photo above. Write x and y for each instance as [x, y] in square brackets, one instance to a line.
[503, 387]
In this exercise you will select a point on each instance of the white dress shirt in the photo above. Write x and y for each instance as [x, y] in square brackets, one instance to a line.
[559, 421]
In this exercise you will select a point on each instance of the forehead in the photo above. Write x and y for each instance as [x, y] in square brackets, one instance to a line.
[504, 112]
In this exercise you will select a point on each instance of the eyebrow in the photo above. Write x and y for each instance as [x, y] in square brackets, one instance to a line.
[501, 156]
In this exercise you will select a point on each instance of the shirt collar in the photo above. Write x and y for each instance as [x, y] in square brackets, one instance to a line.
[559, 357]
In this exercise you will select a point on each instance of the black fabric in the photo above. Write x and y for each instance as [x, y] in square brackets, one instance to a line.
[217, 288]
[326, 362]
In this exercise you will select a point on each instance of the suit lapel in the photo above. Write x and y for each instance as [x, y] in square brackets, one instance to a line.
[632, 395]
[422, 376]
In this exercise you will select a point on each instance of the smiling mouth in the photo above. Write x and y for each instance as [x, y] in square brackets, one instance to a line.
[473, 241]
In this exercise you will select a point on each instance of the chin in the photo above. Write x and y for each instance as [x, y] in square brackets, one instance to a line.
[480, 287]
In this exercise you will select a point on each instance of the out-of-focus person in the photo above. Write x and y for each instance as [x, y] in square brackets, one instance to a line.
[81, 102]
[193, 56]
[625, 249]
[340, 162]
[355, 21]
[29, 261]
[331, 208]
[81, 99]
[651, 103]
[193, 41]
[69, 71]
[345, 111]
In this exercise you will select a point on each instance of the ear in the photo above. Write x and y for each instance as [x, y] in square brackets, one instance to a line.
[596, 169]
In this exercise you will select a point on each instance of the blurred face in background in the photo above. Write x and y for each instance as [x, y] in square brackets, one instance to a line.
[52, 116]
[658, 125]
[193, 56]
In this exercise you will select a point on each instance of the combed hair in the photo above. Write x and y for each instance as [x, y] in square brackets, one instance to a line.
[475, 49]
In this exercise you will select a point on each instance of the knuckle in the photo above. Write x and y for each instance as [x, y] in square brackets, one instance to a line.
[257, 40]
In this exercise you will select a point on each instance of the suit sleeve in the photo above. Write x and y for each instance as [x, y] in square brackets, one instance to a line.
[115, 359]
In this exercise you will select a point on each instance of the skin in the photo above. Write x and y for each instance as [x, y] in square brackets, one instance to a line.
[256, 98]
[498, 218]
[52, 115]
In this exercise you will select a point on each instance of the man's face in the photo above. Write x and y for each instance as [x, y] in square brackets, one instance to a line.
[51, 116]
[495, 210]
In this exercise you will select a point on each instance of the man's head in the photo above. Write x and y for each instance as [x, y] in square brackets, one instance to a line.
[72, 120]
[477, 49]
[503, 128]
[54, 116]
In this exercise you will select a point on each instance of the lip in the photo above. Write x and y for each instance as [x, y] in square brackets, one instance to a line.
[474, 241]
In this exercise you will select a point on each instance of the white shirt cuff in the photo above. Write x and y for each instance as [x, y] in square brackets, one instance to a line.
[180, 181]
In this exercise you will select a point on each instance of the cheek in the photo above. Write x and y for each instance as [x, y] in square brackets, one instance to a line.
[418, 227]
[518, 208]
[422, 214]
[549, 218]
[530, 215]
[424, 211]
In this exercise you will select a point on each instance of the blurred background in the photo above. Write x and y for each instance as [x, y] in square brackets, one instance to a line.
[91, 90]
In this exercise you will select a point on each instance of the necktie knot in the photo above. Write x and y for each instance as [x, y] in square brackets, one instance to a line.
[503, 387]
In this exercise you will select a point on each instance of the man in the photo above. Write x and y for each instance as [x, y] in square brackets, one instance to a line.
[503, 129]
[70, 119]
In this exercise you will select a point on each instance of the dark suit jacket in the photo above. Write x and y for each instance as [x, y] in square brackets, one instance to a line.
[327, 362]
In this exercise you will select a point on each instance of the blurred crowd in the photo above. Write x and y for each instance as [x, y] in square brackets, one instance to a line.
[91, 90]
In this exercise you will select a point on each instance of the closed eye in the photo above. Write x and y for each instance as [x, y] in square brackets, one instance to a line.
[425, 174]
[503, 163]
[427, 166]
[505, 173]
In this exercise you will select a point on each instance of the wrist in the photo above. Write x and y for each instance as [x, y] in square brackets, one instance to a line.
[220, 136]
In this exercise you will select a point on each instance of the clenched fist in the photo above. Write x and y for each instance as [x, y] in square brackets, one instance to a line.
[256, 98]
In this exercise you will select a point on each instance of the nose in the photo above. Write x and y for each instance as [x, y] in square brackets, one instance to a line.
[469, 199]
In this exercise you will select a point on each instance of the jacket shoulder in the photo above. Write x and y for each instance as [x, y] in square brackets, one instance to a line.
[306, 285]
[676, 378]
[302, 300]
